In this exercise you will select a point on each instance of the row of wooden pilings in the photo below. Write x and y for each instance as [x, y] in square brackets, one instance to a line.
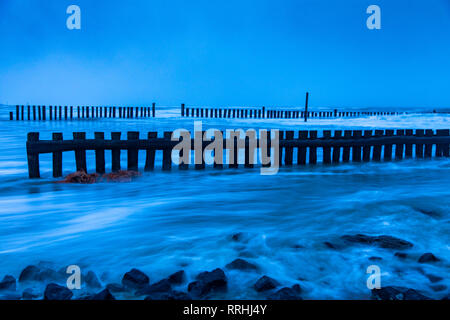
[273, 114]
[340, 147]
[83, 112]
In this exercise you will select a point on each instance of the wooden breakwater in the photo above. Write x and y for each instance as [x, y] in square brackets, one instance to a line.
[263, 113]
[33, 113]
[337, 147]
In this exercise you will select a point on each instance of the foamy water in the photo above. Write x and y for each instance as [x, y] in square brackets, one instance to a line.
[164, 222]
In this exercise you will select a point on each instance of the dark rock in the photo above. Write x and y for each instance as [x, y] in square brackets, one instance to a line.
[30, 273]
[397, 293]
[57, 292]
[115, 287]
[135, 279]
[375, 258]
[8, 283]
[387, 242]
[241, 264]
[287, 293]
[447, 297]
[162, 286]
[28, 294]
[428, 258]
[177, 278]
[433, 278]
[208, 282]
[103, 295]
[265, 283]
[92, 280]
[237, 236]
[401, 255]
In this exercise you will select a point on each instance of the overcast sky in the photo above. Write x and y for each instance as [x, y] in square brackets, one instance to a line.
[233, 52]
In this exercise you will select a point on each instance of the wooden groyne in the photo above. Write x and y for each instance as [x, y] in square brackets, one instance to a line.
[337, 147]
[33, 113]
[263, 113]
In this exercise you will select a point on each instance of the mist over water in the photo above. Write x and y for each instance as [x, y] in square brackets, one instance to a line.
[166, 221]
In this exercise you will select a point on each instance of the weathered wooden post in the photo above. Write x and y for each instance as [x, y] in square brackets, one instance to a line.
[150, 156]
[34, 113]
[17, 113]
[301, 153]
[167, 152]
[419, 146]
[346, 149]
[39, 113]
[133, 152]
[28, 113]
[356, 156]
[289, 151]
[337, 149]
[57, 157]
[313, 150]
[80, 151]
[306, 106]
[408, 146]
[428, 146]
[399, 147]
[32, 157]
[327, 150]
[388, 146]
[367, 146]
[182, 109]
[153, 110]
[11, 115]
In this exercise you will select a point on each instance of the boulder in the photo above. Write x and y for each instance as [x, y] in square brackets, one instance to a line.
[265, 283]
[80, 177]
[177, 278]
[115, 287]
[241, 264]
[135, 279]
[383, 241]
[103, 295]
[208, 282]
[8, 283]
[397, 293]
[30, 273]
[29, 294]
[57, 292]
[428, 258]
[433, 278]
[162, 286]
[286, 293]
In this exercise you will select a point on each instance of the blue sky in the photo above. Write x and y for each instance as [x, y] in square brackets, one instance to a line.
[226, 53]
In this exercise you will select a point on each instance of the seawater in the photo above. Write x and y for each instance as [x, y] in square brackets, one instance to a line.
[166, 221]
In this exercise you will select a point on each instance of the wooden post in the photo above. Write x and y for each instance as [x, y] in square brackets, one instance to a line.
[182, 109]
[17, 113]
[346, 149]
[150, 156]
[133, 152]
[115, 153]
[377, 148]
[33, 158]
[280, 149]
[218, 157]
[248, 162]
[65, 112]
[301, 152]
[99, 154]
[22, 112]
[34, 113]
[306, 106]
[428, 146]
[419, 147]
[11, 115]
[50, 112]
[367, 147]
[28, 113]
[167, 153]
[327, 150]
[399, 147]
[80, 152]
[388, 147]
[313, 150]
[57, 157]
[289, 150]
[337, 150]
[356, 156]
[153, 109]
[39, 113]
[442, 149]
[408, 146]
